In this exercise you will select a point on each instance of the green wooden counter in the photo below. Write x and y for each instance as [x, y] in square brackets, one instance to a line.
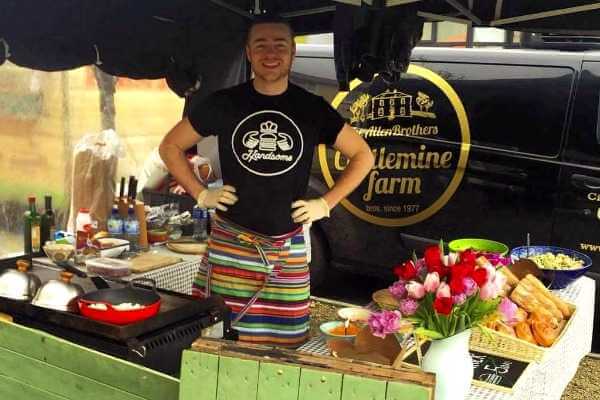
[37, 366]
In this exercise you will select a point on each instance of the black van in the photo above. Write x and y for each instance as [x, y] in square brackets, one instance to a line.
[490, 143]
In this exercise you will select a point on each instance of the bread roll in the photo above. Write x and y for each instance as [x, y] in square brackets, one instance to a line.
[523, 331]
[564, 308]
[511, 279]
[544, 333]
[524, 298]
[502, 327]
[542, 299]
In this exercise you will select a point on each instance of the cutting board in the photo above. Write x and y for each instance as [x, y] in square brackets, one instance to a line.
[150, 261]
[187, 248]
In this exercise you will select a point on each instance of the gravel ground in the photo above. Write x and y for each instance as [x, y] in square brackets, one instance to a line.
[584, 386]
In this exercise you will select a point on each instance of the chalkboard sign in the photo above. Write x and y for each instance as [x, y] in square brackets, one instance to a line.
[500, 373]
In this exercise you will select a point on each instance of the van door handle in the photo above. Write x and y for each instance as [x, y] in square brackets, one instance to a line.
[585, 182]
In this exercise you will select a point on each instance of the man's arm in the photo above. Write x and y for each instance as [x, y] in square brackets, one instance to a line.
[360, 158]
[172, 151]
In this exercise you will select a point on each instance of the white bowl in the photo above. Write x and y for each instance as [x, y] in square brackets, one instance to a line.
[354, 314]
[112, 247]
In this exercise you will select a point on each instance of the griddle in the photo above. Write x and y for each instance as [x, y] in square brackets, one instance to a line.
[175, 307]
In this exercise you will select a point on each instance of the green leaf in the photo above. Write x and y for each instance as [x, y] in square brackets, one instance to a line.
[442, 249]
[414, 258]
[431, 334]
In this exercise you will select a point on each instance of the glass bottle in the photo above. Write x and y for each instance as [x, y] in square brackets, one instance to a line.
[48, 221]
[32, 228]
[115, 223]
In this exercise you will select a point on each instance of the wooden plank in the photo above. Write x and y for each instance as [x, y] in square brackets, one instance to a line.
[97, 366]
[360, 388]
[199, 376]
[343, 366]
[16, 390]
[57, 381]
[278, 381]
[407, 391]
[238, 379]
[321, 385]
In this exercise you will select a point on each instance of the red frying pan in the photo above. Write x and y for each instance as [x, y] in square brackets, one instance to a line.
[100, 304]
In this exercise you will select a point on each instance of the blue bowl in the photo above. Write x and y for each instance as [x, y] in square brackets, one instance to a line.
[560, 278]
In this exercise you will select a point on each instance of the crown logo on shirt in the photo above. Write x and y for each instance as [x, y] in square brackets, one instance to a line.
[268, 136]
[268, 127]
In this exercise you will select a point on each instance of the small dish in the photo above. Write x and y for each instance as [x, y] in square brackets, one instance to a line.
[330, 330]
[112, 247]
[359, 314]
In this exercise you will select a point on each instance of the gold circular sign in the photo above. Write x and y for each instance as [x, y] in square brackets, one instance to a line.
[465, 146]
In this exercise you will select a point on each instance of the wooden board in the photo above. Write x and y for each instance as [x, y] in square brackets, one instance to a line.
[255, 372]
[150, 261]
[49, 364]
[187, 248]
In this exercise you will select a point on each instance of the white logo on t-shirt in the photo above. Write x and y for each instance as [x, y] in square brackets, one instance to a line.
[267, 143]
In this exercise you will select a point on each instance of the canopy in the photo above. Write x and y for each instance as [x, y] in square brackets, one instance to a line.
[191, 40]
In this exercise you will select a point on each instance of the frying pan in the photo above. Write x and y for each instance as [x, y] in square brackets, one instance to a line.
[148, 299]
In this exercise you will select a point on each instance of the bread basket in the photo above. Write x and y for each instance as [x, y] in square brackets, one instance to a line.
[489, 341]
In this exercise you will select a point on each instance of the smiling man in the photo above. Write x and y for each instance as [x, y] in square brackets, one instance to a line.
[267, 130]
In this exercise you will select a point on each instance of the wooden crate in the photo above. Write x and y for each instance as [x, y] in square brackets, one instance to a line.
[36, 365]
[221, 370]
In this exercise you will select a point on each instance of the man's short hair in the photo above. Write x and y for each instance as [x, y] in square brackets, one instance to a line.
[269, 18]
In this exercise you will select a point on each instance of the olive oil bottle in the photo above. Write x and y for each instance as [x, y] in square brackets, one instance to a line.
[32, 228]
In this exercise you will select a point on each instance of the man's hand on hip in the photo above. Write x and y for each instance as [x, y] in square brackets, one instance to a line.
[218, 198]
[308, 211]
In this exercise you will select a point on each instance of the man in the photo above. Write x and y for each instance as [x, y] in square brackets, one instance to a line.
[268, 130]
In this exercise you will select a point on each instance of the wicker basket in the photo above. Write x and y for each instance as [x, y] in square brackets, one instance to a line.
[492, 342]
[385, 300]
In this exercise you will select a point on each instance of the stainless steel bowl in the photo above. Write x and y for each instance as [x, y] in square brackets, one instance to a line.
[18, 284]
[60, 294]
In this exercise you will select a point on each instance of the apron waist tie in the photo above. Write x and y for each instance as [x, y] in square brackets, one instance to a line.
[270, 272]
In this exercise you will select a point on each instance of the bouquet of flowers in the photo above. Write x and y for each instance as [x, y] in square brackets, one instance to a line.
[441, 295]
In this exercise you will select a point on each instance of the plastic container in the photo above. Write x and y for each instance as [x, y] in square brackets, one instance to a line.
[108, 267]
[200, 217]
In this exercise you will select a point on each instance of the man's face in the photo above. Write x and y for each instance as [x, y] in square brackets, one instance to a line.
[270, 50]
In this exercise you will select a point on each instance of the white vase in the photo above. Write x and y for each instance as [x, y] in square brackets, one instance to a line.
[451, 362]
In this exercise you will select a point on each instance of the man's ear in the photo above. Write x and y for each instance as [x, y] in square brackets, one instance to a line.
[248, 53]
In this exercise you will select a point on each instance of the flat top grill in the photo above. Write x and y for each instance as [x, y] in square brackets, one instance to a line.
[175, 307]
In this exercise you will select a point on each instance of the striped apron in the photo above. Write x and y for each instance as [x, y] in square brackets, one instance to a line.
[264, 279]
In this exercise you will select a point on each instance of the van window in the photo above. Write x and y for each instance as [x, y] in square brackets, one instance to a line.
[516, 108]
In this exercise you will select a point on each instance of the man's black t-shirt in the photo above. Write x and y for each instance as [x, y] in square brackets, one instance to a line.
[266, 146]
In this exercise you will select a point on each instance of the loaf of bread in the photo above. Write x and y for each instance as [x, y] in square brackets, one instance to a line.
[564, 308]
[511, 279]
[545, 302]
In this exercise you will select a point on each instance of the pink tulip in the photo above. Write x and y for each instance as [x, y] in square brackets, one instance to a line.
[488, 291]
[470, 286]
[443, 290]
[432, 282]
[491, 272]
[508, 309]
[459, 299]
[500, 281]
[415, 290]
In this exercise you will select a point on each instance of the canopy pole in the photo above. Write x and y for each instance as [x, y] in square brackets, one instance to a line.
[233, 9]
[546, 14]
[498, 12]
[257, 7]
[312, 11]
[439, 17]
[464, 11]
